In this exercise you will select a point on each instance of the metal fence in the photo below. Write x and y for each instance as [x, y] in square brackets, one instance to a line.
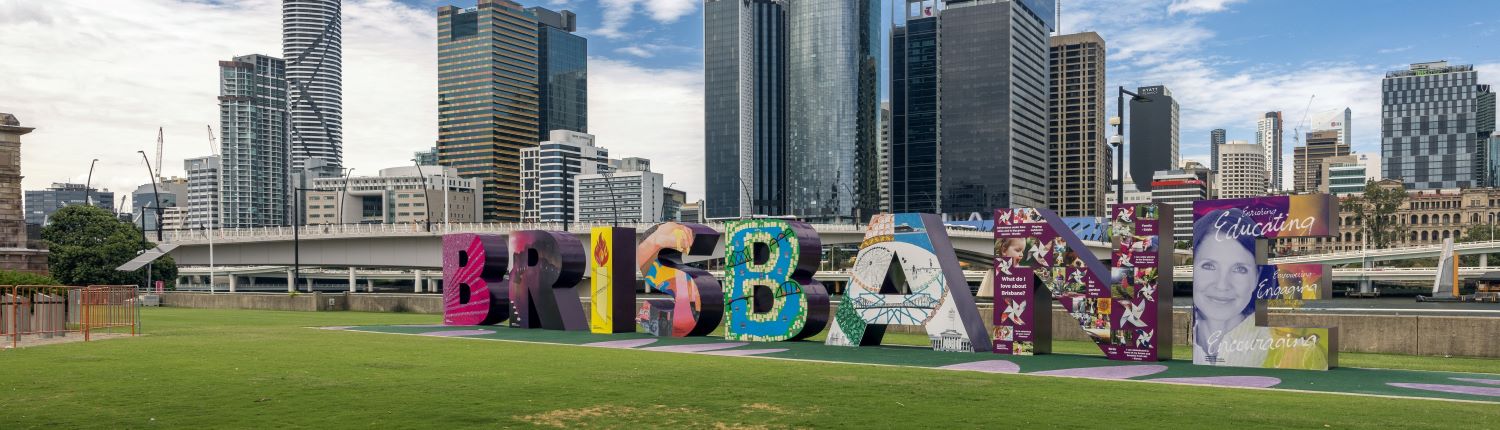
[47, 312]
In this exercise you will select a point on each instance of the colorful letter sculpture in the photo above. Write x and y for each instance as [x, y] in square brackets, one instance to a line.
[546, 266]
[769, 291]
[1126, 311]
[906, 273]
[474, 268]
[697, 304]
[1231, 282]
[612, 280]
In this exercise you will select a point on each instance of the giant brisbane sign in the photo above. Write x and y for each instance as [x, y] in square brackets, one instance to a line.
[907, 274]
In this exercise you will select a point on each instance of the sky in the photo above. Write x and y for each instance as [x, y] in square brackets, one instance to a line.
[97, 82]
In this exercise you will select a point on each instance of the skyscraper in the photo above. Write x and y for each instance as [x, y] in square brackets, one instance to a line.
[745, 85]
[488, 98]
[1307, 160]
[993, 70]
[256, 151]
[884, 151]
[40, 204]
[312, 44]
[833, 61]
[914, 110]
[202, 191]
[1242, 170]
[1268, 134]
[1081, 160]
[1215, 138]
[1338, 120]
[1154, 143]
[562, 73]
[1435, 124]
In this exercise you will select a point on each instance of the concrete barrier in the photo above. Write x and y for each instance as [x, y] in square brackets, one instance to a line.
[1384, 334]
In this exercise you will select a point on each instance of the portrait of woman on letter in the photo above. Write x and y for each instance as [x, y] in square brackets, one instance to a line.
[1225, 274]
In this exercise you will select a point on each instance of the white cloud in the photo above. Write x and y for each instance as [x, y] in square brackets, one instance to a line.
[617, 14]
[650, 113]
[636, 51]
[1199, 6]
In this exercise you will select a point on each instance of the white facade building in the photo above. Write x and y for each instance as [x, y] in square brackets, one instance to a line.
[202, 192]
[620, 196]
[1242, 171]
[408, 194]
[548, 170]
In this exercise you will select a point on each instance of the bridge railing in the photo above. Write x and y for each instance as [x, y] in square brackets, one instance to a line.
[321, 231]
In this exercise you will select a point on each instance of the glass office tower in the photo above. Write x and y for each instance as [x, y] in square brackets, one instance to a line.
[563, 71]
[488, 98]
[1436, 121]
[745, 70]
[833, 61]
[914, 110]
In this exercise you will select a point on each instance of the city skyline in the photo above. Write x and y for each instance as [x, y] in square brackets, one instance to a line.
[81, 87]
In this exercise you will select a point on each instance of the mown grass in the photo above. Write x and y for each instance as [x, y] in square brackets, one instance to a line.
[263, 369]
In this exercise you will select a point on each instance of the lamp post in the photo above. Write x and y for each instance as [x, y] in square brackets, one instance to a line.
[568, 181]
[344, 196]
[1118, 141]
[88, 185]
[426, 201]
[297, 194]
[155, 195]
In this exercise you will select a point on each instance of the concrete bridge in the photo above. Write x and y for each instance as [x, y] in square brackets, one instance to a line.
[412, 246]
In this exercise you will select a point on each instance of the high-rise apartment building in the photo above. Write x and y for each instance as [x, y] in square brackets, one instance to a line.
[1242, 170]
[1434, 133]
[312, 44]
[488, 98]
[833, 112]
[1179, 189]
[1307, 160]
[562, 73]
[1154, 144]
[884, 154]
[547, 173]
[255, 146]
[914, 110]
[1268, 134]
[1215, 138]
[40, 204]
[202, 192]
[994, 72]
[1081, 160]
[745, 84]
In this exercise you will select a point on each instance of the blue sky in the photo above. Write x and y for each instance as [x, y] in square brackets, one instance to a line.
[85, 75]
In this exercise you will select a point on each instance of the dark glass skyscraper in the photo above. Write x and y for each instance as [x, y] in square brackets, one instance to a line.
[745, 69]
[562, 70]
[914, 110]
[994, 70]
[1435, 126]
[1215, 138]
[488, 98]
[833, 63]
[1153, 135]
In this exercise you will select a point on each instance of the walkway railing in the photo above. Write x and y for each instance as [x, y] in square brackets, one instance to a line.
[324, 231]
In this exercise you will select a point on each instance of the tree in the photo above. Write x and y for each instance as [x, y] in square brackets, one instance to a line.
[1375, 213]
[87, 244]
[1477, 233]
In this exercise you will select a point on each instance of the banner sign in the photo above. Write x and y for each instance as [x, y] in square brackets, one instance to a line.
[1125, 309]
[1232, 283]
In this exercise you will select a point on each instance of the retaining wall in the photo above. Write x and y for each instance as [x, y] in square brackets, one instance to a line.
[1386, 334]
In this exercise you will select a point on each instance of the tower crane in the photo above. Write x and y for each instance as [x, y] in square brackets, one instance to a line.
[1297, 138]
[213, 143]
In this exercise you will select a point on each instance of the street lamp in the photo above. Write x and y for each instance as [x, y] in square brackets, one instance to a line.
[88, 185]
[154, 195]
[568, 182]
[344, 196]
[426, 201]
[1118, 141]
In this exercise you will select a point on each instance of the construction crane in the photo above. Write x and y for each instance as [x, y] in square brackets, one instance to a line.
[159, 141]
[1297, 137]
[213, 143]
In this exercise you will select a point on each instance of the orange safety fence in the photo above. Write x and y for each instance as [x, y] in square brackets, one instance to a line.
[46, 312]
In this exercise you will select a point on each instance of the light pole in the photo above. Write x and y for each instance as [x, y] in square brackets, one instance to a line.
[344, 196]
[88, 185]
[155, 195]
[426, 201]
[1118, 141]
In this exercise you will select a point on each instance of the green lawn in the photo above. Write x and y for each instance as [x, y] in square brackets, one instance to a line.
[216, 369]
